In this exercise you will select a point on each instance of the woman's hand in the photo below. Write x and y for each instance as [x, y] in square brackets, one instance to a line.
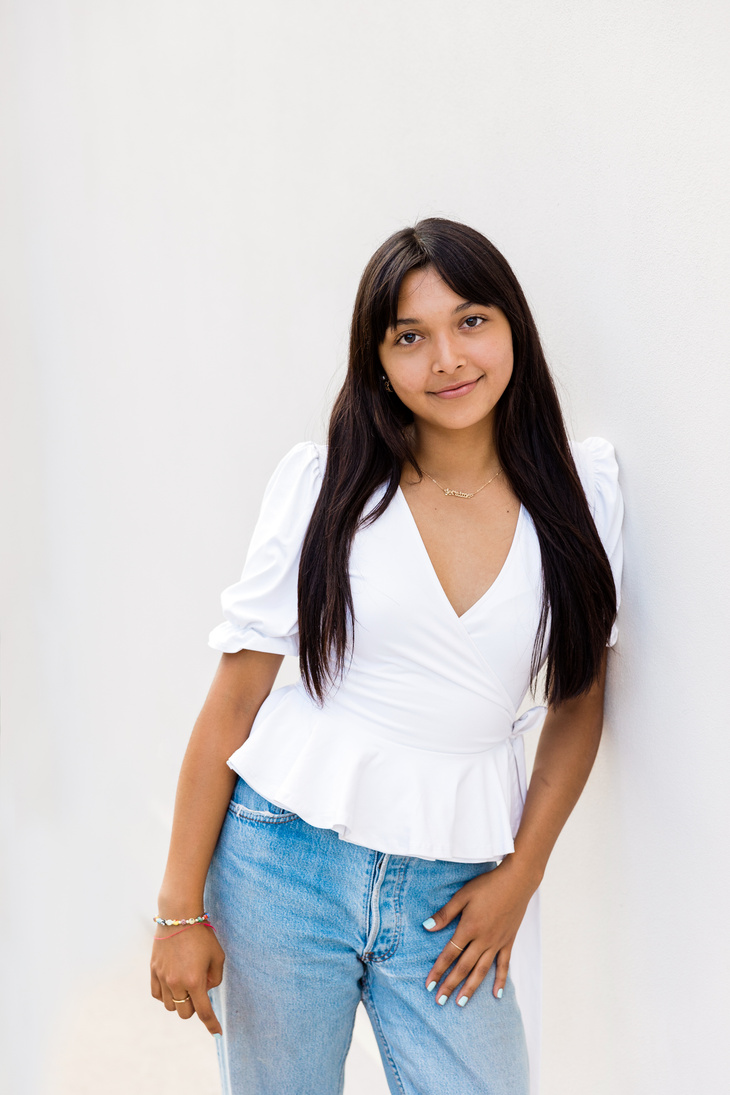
[492, 907]
[187, 965]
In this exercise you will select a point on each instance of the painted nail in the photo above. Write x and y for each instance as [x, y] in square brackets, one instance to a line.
[442, 999]
[431, 985]
[430, 923]
[217, 1035]
[462, 1000]
[500, 993]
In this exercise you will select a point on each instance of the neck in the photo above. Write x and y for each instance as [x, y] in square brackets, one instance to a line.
[460, 457]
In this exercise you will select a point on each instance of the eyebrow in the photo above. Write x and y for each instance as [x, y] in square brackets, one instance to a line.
[459, 308]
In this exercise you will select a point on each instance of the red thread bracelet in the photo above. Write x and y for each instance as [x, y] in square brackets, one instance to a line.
[207, 925]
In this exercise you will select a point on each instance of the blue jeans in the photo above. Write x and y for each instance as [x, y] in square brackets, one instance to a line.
[310, 925]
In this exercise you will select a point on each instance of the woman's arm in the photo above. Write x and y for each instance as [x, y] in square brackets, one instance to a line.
[192, 962]
[565, 754]
[491, 907]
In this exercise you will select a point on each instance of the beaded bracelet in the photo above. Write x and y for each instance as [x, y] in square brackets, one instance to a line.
[176, 923]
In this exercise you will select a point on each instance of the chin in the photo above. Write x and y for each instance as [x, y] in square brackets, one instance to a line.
[462, 418]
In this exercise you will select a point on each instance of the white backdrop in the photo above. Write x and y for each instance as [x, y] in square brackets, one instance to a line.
[190, 192]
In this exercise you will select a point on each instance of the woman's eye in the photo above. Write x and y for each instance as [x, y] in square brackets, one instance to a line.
[407, 338]
[474, 321]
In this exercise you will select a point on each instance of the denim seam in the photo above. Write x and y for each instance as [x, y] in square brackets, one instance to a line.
[376, 921]
[367, 899]
[246, 814]
[397, 890]
[380, 1034]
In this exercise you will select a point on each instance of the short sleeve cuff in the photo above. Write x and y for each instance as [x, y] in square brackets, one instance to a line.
[229, 640]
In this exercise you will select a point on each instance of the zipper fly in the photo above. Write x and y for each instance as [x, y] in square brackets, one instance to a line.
[384, 907]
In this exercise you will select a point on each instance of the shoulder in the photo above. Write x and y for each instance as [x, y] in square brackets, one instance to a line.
[305, 456]
[292, 488]
[597, 466]
[595, 460]
[299, 470]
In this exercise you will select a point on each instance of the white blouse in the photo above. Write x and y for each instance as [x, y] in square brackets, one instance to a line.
[430, 698]
[419, 750]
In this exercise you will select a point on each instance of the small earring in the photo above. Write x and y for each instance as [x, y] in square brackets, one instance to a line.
[387, 383]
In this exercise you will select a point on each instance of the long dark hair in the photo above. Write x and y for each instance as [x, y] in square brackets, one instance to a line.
[368, 446]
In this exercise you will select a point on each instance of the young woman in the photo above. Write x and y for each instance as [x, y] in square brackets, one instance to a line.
[368, 834]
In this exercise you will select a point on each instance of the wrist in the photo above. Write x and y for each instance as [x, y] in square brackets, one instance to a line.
[179, 905]
[522, 867]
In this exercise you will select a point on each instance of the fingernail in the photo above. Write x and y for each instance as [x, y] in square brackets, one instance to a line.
[500, 993]
[462, 1000]
[217, 1035]
[431, 985]
[430, 923]
[442, 999]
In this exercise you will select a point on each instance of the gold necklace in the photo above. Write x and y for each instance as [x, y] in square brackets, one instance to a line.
[461, 493]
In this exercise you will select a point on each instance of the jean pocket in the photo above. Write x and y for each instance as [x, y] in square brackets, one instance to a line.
[251, 806]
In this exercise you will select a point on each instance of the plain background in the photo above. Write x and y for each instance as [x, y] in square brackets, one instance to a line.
[190, 191]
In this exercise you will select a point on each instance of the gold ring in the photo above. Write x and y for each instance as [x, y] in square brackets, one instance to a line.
[181, 1001]
[456, 945]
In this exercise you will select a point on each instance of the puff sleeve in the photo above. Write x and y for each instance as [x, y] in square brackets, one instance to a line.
[260, 610]
[595, 459]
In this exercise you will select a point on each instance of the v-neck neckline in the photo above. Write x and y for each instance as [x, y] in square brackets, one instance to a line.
[480, 600]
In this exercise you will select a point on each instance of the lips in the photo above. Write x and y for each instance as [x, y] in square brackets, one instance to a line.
[462, 386]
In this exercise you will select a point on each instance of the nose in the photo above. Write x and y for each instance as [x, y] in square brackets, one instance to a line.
[448, 356]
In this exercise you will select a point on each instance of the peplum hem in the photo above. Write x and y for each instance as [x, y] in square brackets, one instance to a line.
[370, 790]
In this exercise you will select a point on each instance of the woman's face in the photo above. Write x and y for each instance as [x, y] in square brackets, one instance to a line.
[449, 360]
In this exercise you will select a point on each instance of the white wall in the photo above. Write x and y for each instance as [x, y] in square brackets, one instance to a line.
[190, 191]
